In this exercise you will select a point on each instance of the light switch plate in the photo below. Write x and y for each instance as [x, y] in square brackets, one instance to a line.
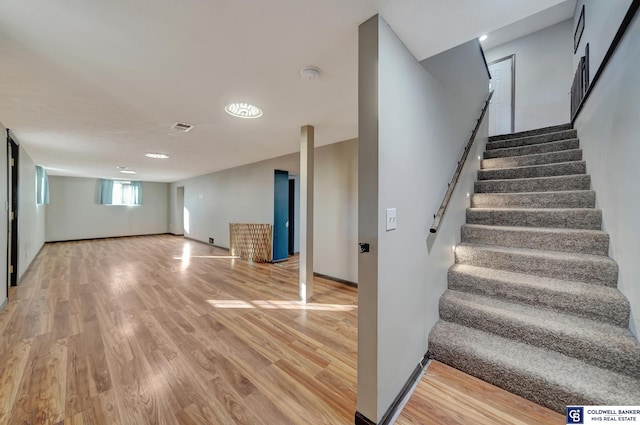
[392, 220]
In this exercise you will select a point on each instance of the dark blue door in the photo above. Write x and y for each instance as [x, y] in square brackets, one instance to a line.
[281, 216]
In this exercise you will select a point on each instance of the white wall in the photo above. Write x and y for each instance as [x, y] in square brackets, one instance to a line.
[608, 127]
[3, 220]
[413, 127]
[237, 195]
[31, 217]
[245, 195]
[74, 213]
[602, 19]
[335, 230]
[544, 73]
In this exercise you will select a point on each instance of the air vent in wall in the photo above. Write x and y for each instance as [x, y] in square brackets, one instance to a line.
[182, 127]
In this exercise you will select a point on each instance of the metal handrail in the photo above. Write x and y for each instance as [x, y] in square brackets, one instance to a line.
[437, 217]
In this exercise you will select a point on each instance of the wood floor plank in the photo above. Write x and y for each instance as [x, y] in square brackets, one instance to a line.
[163, 330]
[446, 396]
[12, 369]
[42, 392]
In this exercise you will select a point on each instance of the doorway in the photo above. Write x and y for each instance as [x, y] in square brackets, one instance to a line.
[13, 152]
[502, 105]
[281, 215]
[180, 215]
[294, 214]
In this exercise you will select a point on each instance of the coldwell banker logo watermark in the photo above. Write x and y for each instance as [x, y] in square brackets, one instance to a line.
[602, 414]
[575, 415]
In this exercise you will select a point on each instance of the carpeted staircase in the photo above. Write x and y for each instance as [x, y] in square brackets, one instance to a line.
[532, 304]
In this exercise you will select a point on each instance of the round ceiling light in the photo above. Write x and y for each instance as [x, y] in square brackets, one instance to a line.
[243, 110]
[483, 37]
[156, 155]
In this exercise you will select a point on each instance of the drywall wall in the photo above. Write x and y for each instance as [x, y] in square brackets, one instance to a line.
[608, 128]
[602, 19]
[245, 195]
[3, 222]
[237, 195]
[31, 216]
[74, 213]
[335, 229]
[458, 71]
[414, 121]
[368, 217]
[543, 75]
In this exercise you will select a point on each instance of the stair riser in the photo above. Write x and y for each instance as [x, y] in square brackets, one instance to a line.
[533, 140]
[590, 219]
[533, 149]
[545, 130]
[529, 160]
[612, 311]
[577, 199]
[547, 184]
[579, 270]
[541, 392]
[598, 353]
[580, 243]
[562, 169]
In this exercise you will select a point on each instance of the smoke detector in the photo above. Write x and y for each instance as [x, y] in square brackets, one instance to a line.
[309, 73]
[182, 127]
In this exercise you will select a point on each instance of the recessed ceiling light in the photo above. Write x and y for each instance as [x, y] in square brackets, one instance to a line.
[156, 155]
[483, 37]
[128, 171]
[243, 110]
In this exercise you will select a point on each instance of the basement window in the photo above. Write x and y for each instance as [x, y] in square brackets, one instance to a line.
[42, 186]
[119, 192]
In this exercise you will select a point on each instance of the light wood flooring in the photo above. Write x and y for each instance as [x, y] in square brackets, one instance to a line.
[446, 396]
[163, 330]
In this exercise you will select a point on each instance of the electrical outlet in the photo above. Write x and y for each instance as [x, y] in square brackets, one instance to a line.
[211, 241]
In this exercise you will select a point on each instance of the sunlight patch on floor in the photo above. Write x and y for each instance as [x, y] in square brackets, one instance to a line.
[280, 305]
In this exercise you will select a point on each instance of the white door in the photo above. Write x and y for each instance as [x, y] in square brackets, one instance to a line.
[500, 115]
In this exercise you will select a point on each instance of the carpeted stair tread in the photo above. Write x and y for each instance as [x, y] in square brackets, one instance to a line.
[525, 133]
[532, 303]
[582, 241]
[599, 344]
[546, 377]
[569, 218]
[535, 159]
[595, 269]
[532, 149]
[544, 170]
[563, 199]
[536, 184]
[532, 139]
[594, 302]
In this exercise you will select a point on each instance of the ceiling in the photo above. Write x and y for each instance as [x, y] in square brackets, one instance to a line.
[89, 85]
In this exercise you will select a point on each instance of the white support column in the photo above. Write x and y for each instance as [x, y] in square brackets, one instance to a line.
[306, 213]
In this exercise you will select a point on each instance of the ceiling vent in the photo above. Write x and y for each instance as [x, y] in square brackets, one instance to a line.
[182, 127]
